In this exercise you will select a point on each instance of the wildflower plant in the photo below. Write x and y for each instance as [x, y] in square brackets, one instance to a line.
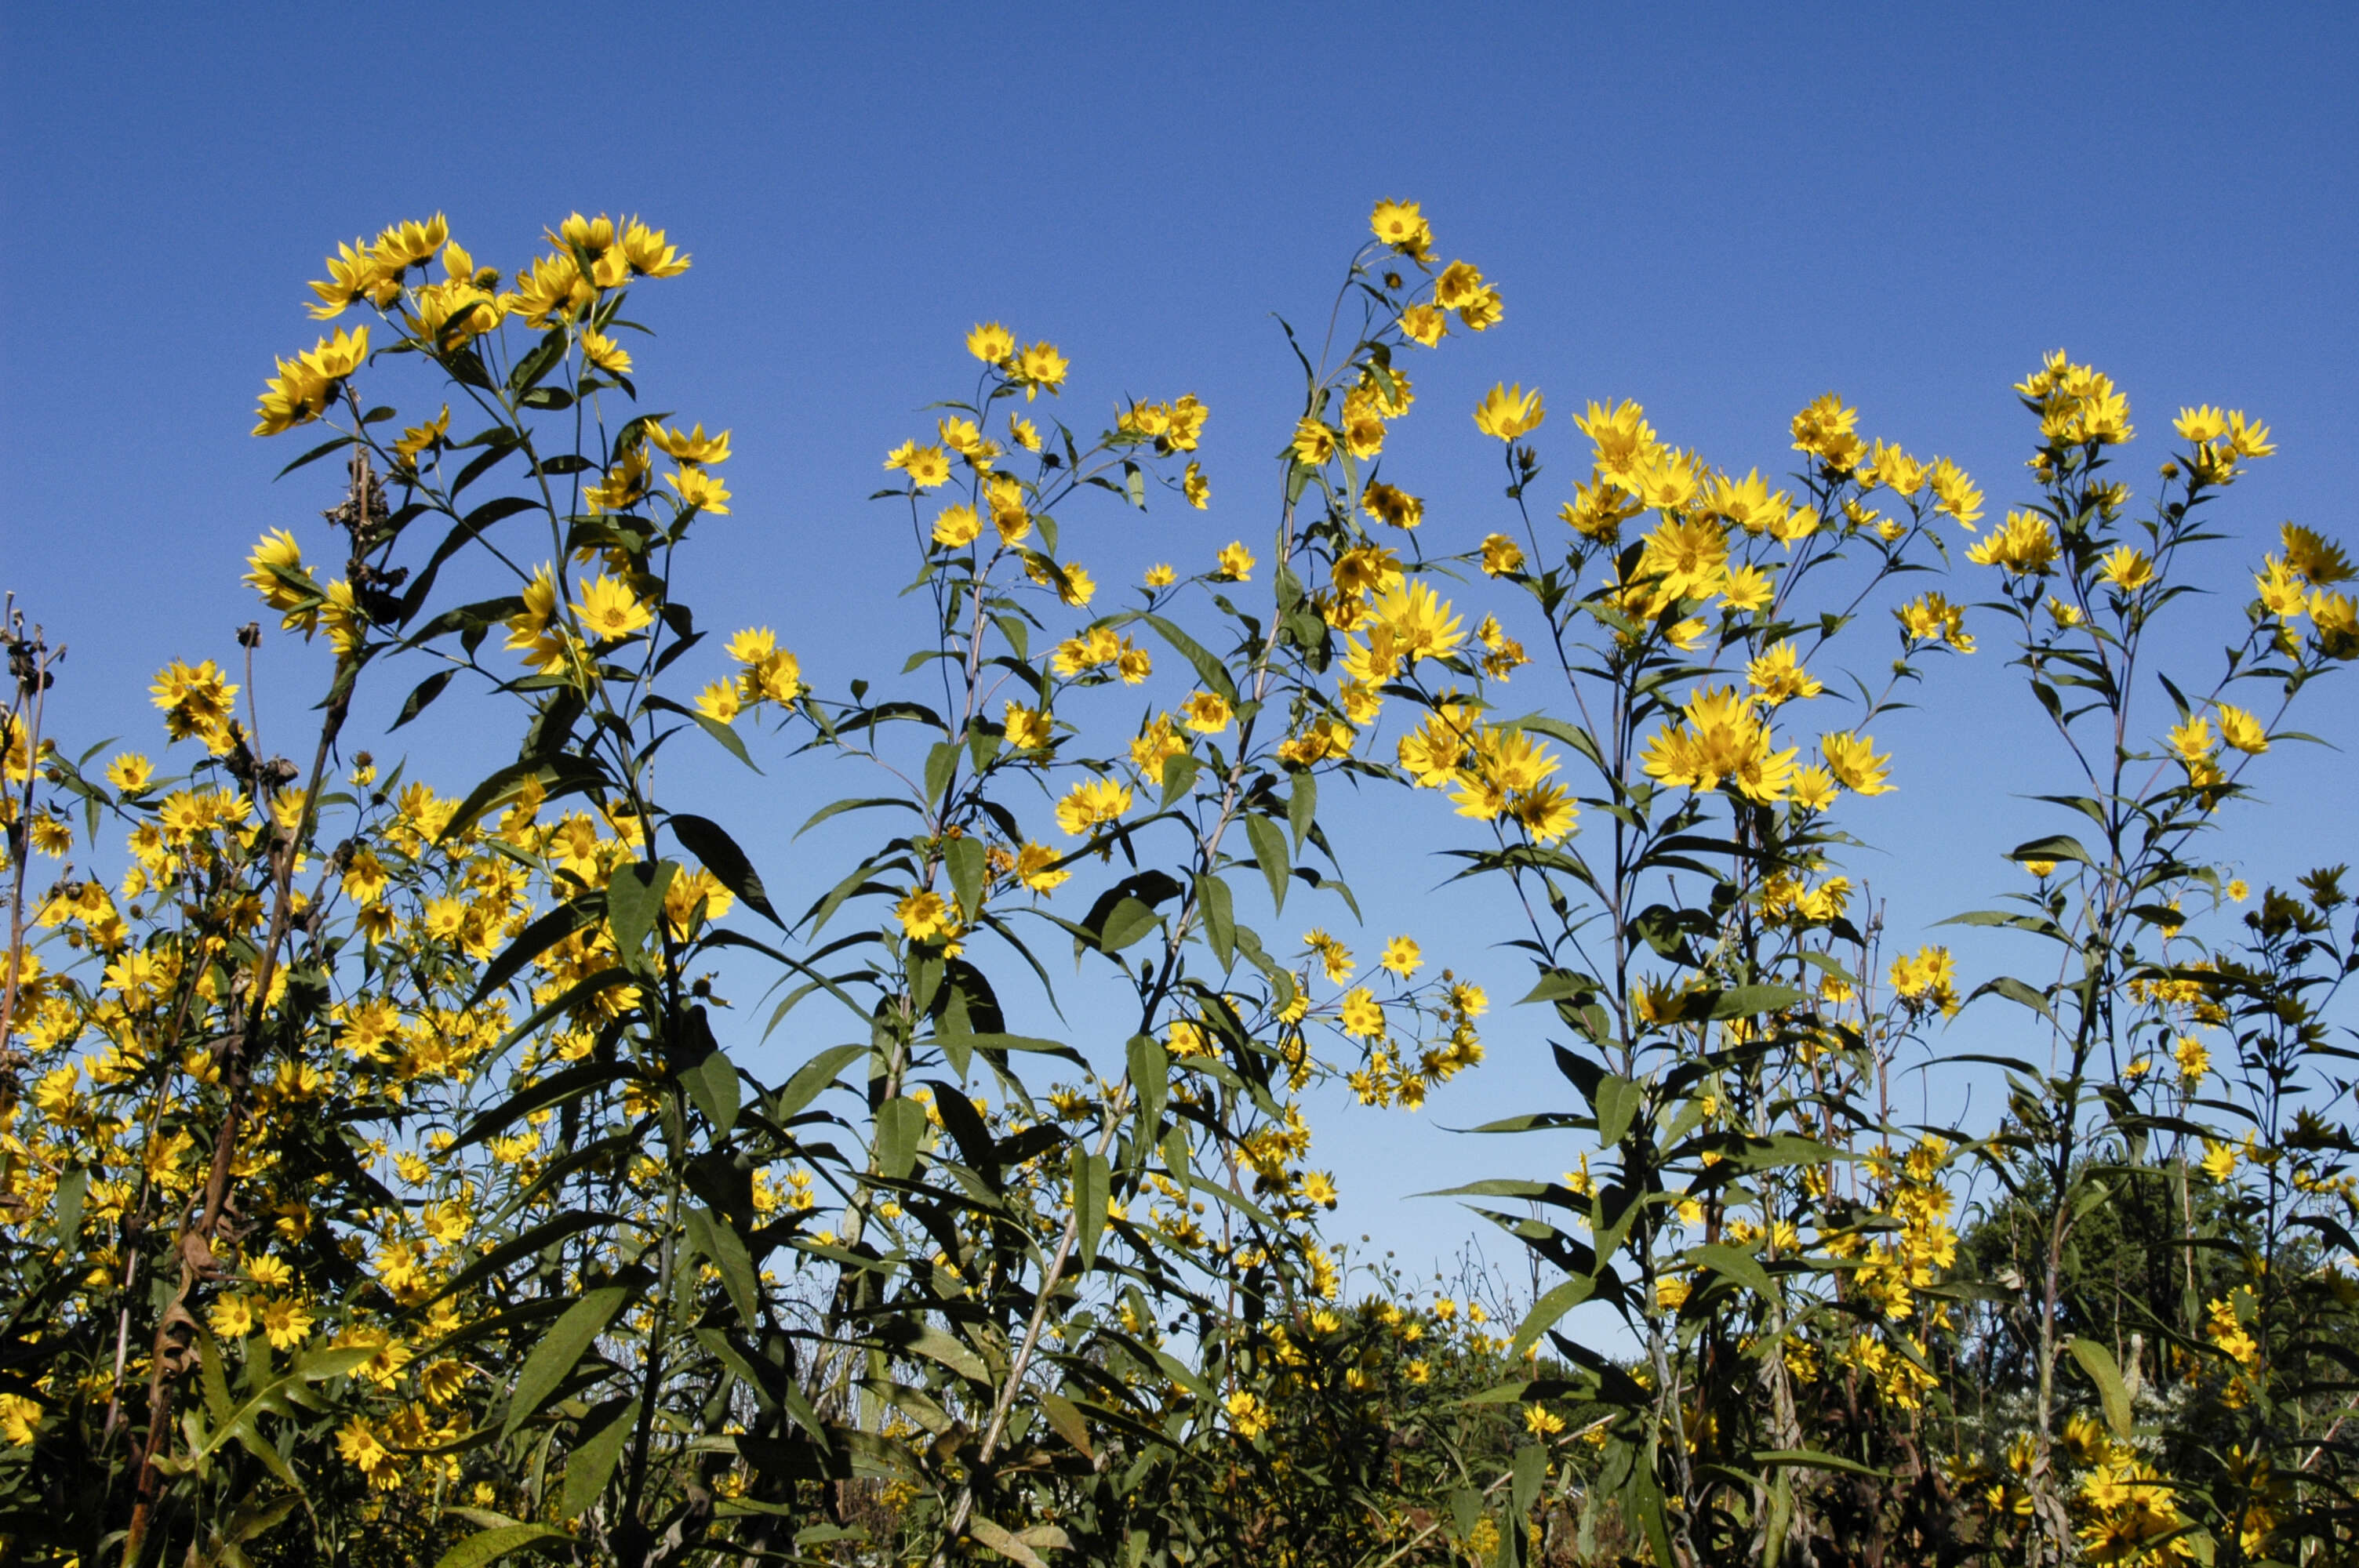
[394, 1175]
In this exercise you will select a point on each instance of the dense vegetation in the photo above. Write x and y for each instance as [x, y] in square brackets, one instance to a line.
[385, 1181]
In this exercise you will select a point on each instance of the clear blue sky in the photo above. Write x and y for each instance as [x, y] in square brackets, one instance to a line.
[1721, 213]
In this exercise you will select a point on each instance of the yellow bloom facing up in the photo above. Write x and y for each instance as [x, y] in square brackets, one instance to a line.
[2128, 568]
[957, 526]
[1314, 442]
[1403, 956]
[777, 678]
[1196, 487]
[2242, 730]
[301, 392]
[1206, 713]
[1501, 556]
[648, 256]
[609, 609]
[2025, 544]
[197, 701]
[606, 353]
[360, 1447]
[1955, 493]
[1092, 804]
[231, 1317]
[1395, 507]
[1424, 325]
[354, 275]
[1036, 867]
[2194, 1059]
[1722, 738]
[286, 1324]
[990, 342]
[2312, 557]
[700, 490]
[1509, 412]
[130, 773]
[1778, 675]
[1236, 562]
[1828, 431]
[1402, 226]
[417, 440]
[278, 576]
[928, 468]
[720, 701]
[1930, 617]
[1027, 728]
[1852, 760]
[1041, 366]
[623, 486]
[1413, 622]
[2197, 424]
[695, 448]
[926, 916]
[1363, 1017]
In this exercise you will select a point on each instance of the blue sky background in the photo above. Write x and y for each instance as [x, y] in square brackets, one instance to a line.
[1720, 212]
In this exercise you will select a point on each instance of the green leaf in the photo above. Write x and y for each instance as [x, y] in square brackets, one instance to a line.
[1811, 1459]
[1545, 1311]
[1209, 670]
[812, 1077]
[937, 1345]
[215, 1381]
[425, 692]
[491, 1545]
[1744, 1002]
[539, 1236]
[941, 763]
[2099, 1363]
[539, 938]
[315, 454]
[1092, 1184]
[712, 845]
[1067, 1419]
[635, 896]
[900, 1123]
[727, 735]
[1302, 805]
[73, 1190]
[1737, 1264]
[714, 1236]
[1150, 1076]
[992, 1041]
[1531, 1469]
[711, 1082]
[1179, 776]
[1269, 849]
[2057, 847]
[592, 1464]
[557, 1087]
[1220, 919]
[533, 366]
[1125, 923]
[1617, 1100]
[553, 1359]
[1001, 1541]
[963, 857]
